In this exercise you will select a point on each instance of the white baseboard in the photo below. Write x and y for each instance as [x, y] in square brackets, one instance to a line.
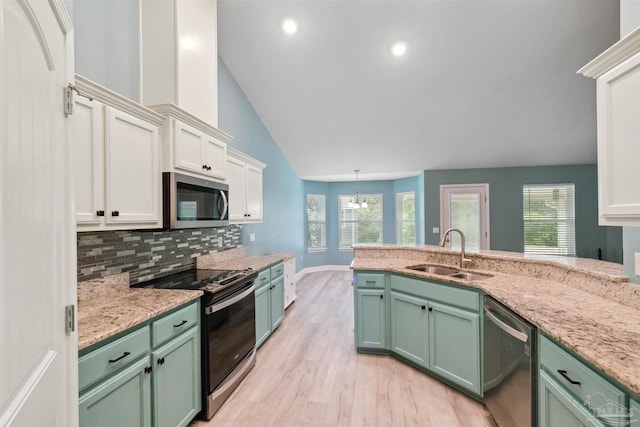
[308, 270]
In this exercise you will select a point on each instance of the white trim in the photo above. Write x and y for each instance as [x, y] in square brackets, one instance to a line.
[62, 15]
[300, 274]
[116, 100]
[316, 250]
[238, 155]
[171, 110]
[616, 54]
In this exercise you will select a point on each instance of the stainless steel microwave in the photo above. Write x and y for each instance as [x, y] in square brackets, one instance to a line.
[190, 202]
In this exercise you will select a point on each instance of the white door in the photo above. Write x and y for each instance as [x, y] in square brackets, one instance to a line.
[466, 207]
[38, 361]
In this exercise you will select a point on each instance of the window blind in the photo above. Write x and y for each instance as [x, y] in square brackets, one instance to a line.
[363, 225]
[316, 222]
[549, 219]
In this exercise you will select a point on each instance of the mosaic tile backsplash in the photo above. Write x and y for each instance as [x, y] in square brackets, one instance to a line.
[146, 255]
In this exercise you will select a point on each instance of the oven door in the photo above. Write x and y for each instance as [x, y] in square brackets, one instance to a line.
[230, 333]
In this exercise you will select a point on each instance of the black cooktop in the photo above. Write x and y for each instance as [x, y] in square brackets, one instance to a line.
[212, 282]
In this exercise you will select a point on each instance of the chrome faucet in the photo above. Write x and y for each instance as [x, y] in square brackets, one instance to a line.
[445, 239]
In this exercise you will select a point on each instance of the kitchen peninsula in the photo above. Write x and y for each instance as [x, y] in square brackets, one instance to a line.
[586, 305]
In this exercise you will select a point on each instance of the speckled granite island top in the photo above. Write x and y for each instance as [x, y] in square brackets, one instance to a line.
[108, 309]
[587, 305]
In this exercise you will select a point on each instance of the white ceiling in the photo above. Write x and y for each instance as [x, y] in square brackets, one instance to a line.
[485, 83]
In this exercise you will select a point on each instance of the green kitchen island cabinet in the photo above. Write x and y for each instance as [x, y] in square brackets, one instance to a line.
[410, 328]
[269, 301]
[371, 312]
[149, 376]
[434, 326]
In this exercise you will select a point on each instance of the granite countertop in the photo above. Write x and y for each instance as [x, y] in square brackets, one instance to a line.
[106, 309]
[107, 306]
[587, 305]
[236, 259]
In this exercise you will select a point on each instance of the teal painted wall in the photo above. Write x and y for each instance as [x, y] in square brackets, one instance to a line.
[331, 190]
[282, 229]
[505, 201]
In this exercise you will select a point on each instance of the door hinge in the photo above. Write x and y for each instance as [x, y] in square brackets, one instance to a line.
[69, 319]
[68, 98]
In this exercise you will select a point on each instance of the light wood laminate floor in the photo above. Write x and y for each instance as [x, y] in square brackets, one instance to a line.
[309, 373]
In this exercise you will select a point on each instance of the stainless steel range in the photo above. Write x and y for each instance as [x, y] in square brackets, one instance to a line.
[228, 328]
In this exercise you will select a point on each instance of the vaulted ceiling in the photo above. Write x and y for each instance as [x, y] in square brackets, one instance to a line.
[483, 83]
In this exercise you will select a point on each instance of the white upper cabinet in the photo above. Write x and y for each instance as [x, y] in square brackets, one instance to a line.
[244, 176]
[179, 56]
[190, 145]
[116, 151]
[617, 72]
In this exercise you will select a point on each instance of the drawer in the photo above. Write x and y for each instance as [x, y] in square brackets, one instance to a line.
[174, 324]
[370, 280]
[112, 357]
[264, 278]
[277, 271]
[451, 295]
[562, 366]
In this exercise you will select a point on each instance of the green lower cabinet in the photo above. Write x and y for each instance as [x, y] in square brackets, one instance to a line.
[454, 345]
[410, 328]
[277, 302]
[557, 408]
[269, 302]
[263, 314]
[176, 384]
[371, 321]
[634, 412]
[124, 400]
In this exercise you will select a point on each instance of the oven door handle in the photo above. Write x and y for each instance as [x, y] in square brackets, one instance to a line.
[226, 303]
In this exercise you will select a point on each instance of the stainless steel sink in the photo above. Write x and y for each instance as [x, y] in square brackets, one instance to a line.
[442, 270]
[469, 276]
[434, 269]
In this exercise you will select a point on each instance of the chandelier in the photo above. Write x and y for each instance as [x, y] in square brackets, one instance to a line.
[357, 204]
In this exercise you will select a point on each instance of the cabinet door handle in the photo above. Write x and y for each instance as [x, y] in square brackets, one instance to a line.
[423, 307]
[381, 296]
[180, 324]
[125, 354]
[100, 213]
[430, 308]
[566, 377]
[148, 369]
[204, 167]
[115, 213]
[161, 361]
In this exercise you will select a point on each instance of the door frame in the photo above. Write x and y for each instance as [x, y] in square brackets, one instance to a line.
[483, 188]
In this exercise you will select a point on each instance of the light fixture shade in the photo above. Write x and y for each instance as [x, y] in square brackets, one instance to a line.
[364, 204]
[350, 205]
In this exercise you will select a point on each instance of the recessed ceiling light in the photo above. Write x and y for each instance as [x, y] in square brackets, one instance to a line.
[399, 49]
[289, 26]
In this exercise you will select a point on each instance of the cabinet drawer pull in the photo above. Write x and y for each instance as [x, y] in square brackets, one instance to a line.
[263, 279]
[566, 377]
[371, 282]
[125, 354]
[99, 213]
[180, 324]
[115, 213]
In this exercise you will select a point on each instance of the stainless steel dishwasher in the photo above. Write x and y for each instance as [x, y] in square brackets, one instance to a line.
[509, 370]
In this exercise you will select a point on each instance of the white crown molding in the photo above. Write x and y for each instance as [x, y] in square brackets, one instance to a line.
[172, 110]
[616, 54]
[231, 152]
[113, 99]
[62, 15]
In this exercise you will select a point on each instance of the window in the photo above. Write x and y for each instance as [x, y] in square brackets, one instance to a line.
[549, 219]
[316, 223]
[363, 225]
[406, 218]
